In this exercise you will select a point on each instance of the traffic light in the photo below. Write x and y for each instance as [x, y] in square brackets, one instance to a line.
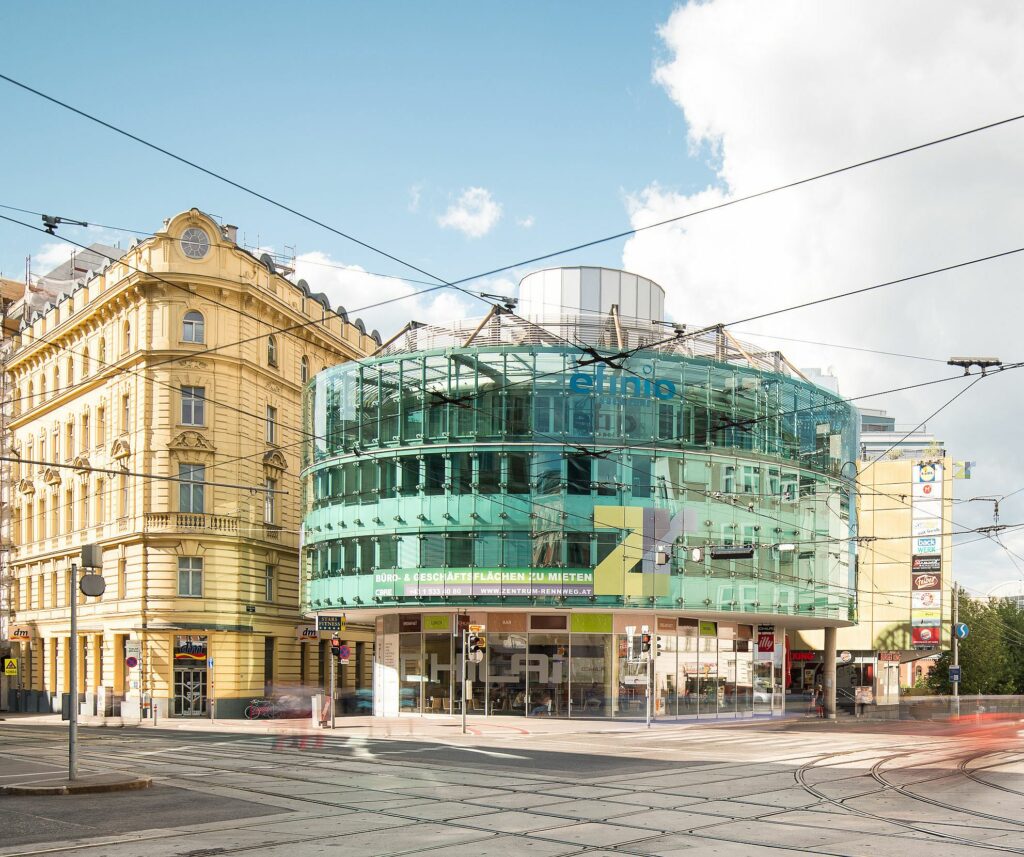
[336, 647]
[657, 647]
[645, 642]
[477, 647]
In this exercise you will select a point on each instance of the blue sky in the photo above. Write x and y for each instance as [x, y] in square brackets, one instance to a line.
[346, 111]
[563, 122]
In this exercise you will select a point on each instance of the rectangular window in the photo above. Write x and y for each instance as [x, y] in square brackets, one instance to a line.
[190, 576]
[410, 472]
[271, 424]
[607, 477]
[641, 476]
[124, 495]
[388, 472]
[190, 488]
[85, 506]
[126, 412]
[434, 477]
[69, 439]
[518, 481]
[101, 425]
[85, 439]
[432, 550]
[578, 548]
[193, 406]
[268, 583]
[101, 493]
[488, 472]
[462, 473]
[269, 501]
[122, 578]
[578, 474]
[459, 550]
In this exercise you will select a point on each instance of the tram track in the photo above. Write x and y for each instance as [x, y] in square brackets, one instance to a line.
[282, 758]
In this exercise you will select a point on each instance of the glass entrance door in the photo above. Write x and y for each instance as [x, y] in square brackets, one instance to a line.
[190, 693]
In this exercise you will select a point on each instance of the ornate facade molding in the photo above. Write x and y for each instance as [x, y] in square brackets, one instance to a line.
[192, 441]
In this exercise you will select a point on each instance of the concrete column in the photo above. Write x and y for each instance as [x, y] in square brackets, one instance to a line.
[829, 672]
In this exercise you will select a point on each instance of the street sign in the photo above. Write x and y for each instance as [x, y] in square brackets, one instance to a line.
[344, 653]
[328, 623]
[131, 662]
[961, 630]
[954, 675]
[10, 666]
[477, 629]
[250, 608]
[845, 657]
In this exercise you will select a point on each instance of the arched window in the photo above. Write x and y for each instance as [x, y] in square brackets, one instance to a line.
[30, 397]
[192, 328]
[126, 338]
[71, 372]
[85, 362]
[56, 380]
[101, 356]
[271, 351]
[304, 369]
[42, 387]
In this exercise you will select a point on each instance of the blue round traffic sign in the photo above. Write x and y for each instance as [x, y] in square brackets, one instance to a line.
[961, 630]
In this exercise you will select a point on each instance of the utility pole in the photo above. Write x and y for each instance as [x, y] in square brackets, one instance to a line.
[956, 647]
[465, 694]
[73, 707]
[650, 684]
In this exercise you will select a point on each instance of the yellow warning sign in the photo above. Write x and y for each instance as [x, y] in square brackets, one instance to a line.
[10, 666]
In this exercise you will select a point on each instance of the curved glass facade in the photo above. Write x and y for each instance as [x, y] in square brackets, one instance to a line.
[511, 477]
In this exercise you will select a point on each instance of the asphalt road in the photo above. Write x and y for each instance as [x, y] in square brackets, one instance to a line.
[746, 789]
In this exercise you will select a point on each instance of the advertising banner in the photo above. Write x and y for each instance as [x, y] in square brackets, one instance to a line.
[413, 582]
[306, 633]
[926, 545]
[926, 563]
[766, 638]
[929, 618]
[926, 580]
[925, 637]
[926, 473]
[926, 527]
[926, 600]
[190, 650]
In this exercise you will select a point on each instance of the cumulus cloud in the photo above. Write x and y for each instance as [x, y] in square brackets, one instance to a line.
[474, 213]
[415, 193]
[771, 93]
[383, 303]
[526, 222]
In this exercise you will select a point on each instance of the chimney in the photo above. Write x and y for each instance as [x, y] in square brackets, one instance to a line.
[230, 232]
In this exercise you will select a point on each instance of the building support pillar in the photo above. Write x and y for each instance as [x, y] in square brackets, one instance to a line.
[829, 672]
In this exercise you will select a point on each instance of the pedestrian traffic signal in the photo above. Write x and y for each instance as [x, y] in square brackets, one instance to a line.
[477, 647]
[645, 642]
[336, 647]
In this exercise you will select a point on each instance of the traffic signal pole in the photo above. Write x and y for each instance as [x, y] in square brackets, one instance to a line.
[956, 647]
[465, 695]
[73, 659]
[650, 685]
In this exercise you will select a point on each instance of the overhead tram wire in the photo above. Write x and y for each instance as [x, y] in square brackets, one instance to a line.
[737, 200]
[457, 284]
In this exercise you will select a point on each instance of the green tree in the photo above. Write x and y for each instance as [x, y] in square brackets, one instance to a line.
[992, 657]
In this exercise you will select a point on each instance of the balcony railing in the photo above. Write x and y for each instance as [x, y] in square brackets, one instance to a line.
[188, 522]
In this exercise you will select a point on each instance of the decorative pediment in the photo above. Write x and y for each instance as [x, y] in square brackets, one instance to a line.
[192, 441]
[192, 364]
[51, 476]
[26, 486]
[81, 464]
[120, 449]
[275, 460]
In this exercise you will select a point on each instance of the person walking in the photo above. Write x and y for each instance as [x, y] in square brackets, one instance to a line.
[819, 701]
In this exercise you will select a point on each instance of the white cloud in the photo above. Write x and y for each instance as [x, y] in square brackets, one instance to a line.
[50, 256]
[474, 213]
[526, 222]
[415, 193]
[364, 295]
[771, 93]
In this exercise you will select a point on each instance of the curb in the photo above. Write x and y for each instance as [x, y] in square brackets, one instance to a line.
[78, 787]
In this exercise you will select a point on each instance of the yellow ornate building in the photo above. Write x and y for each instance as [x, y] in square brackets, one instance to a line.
[157, 413]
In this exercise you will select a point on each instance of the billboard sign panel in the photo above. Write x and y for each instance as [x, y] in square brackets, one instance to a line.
[925, 636]
[925, 600]
[926, 545]
[926, 527]
[926, 563]
[925, 580]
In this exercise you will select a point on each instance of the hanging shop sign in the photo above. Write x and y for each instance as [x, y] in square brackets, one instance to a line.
[21, 632]
[190, 650]
[925, 637]
[306, 633]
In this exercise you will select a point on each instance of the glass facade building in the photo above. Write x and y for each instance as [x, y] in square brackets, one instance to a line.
[566, 476]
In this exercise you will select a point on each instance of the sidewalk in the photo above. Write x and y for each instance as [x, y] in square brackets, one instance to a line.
[418, 726]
